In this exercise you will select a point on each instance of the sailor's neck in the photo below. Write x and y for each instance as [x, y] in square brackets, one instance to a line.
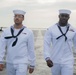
[18, 26]
[62, 24]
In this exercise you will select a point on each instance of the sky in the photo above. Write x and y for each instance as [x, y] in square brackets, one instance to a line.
[39, 13]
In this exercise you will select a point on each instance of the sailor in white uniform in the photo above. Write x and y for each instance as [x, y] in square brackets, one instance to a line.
[58, 42]
[19, 41]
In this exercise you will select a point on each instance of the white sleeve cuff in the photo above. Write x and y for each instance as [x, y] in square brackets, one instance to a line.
[47, 58]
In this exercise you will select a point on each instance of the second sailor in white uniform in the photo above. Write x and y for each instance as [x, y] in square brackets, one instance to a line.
[58, 42]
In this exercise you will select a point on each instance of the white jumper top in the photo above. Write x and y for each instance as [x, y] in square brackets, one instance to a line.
[22, 52]
[59, 50]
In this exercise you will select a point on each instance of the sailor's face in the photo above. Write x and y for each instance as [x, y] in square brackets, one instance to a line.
[18, 18]
[63, 18]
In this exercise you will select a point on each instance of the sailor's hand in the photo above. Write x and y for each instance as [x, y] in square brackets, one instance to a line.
[49, 63]
[1, 67]
[31, 70]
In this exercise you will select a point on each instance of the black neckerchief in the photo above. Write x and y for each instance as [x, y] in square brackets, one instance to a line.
[12, 32]
[63, 34]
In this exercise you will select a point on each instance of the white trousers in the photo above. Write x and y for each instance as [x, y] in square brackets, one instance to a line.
[62, 69]
[16, 69]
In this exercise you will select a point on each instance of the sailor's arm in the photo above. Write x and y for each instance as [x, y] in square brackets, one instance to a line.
[74, 42]
[31, 52]
[2, 50]
[47, 47]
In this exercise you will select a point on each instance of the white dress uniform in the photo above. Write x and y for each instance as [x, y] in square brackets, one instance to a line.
[19, 55]
[58, 48]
